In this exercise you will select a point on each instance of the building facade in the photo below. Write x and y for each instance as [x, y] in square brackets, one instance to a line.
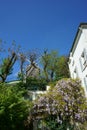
[32, 71]
[78, 56]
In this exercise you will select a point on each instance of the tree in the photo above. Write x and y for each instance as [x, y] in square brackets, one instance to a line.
[62, 70]
[53, 60]
[22, 59]
[32, 56]
[49, 62]
[13, 108]
[6, 66]
[8, 62]
[45, 63]
[33, 83]
[63, 107]
[55, 67]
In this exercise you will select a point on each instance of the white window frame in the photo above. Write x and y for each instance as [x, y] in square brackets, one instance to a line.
[85, 81]
[76, 73]
[83, 60]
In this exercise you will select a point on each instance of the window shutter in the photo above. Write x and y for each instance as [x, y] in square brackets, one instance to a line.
[85, 82]
[85, 54]
[80, 61]
[77, 75]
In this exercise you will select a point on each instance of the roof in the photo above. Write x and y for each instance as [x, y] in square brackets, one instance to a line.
[32, 70]
[78, 34]
[13, 82]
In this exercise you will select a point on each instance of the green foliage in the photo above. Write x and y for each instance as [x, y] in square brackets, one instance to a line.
[49, 61]
[20, 76]
[13, 108]
[35, 84]
[7, 66]
[52, 83]
[62, 70]
[52, 124]
[55, 67]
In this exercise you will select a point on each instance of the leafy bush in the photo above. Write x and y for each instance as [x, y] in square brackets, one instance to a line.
[34, 84]
[13, 108]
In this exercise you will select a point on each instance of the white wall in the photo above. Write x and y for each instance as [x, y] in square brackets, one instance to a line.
[35, 94]
[82, 43]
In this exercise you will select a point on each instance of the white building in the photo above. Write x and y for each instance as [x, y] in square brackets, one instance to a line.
[78, 56]
[33, 95]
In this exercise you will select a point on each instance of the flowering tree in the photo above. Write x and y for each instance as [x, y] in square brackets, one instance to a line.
[62, 107]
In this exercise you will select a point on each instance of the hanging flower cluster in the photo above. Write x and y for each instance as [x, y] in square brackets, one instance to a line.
[66, 101]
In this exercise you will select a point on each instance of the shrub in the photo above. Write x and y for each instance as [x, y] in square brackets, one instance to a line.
[65, 106]
[13, 108]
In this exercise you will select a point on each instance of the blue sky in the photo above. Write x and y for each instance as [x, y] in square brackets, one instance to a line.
[41, 24]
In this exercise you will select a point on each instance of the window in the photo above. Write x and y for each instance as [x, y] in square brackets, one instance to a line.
[85, 82]
[75, 73]
[73, 63]
[81, 65]
[69, 60]
[83, 60]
